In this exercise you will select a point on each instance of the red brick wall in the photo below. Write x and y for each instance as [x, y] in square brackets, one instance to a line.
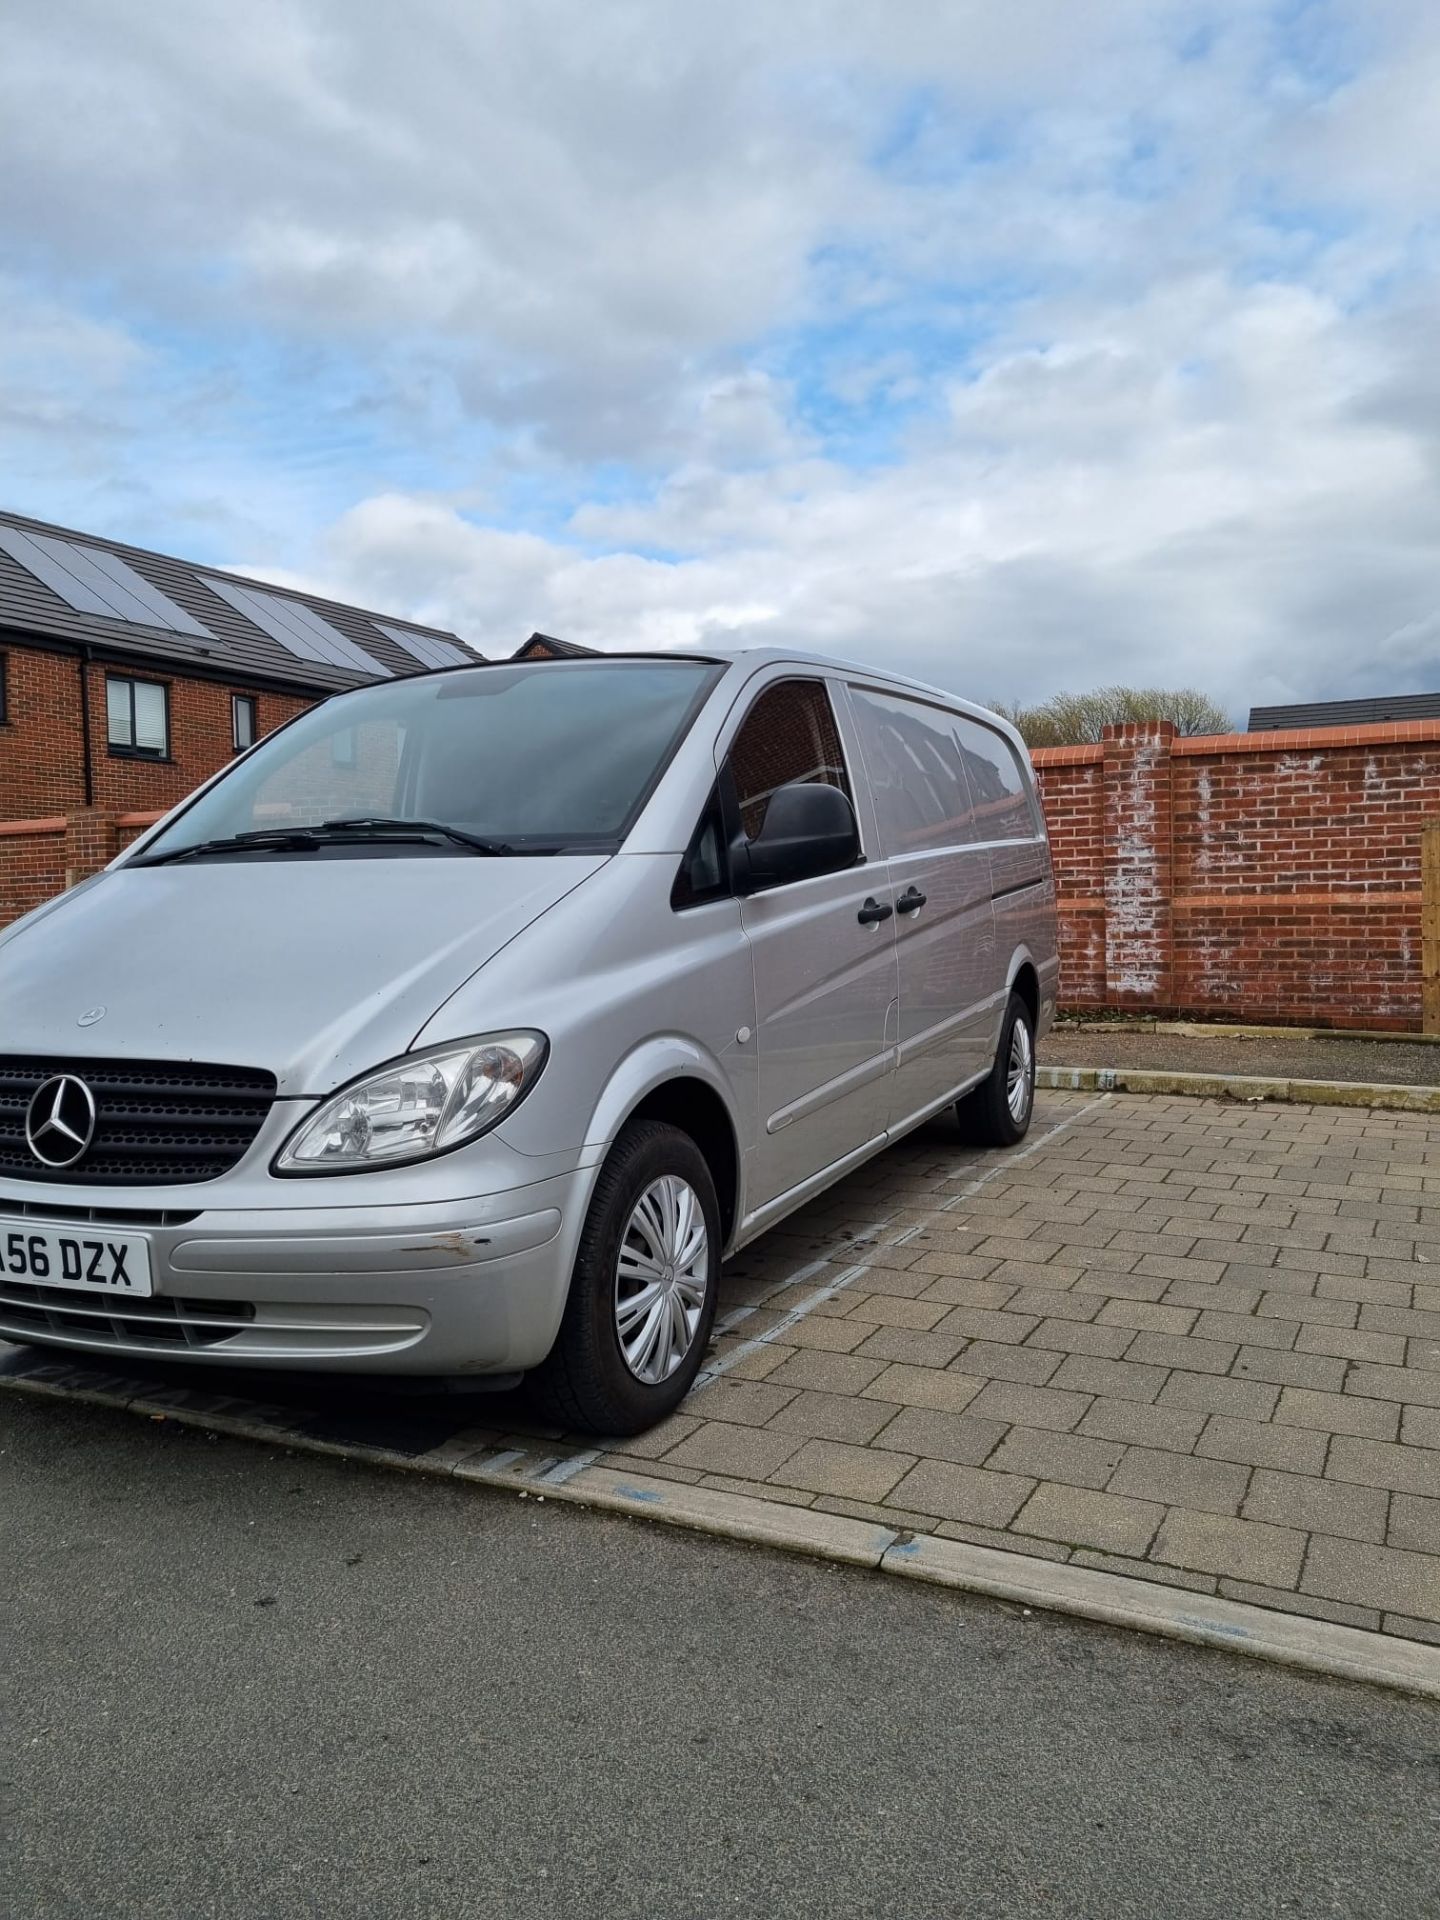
[32, 864]
[1261, 877]
[42, 762]
[47, 838]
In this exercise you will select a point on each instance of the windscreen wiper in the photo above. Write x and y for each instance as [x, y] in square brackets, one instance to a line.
[327, 833]
[380, 826]
[300, 838]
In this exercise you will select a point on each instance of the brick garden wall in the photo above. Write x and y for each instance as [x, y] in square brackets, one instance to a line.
[1255, 876]
[49, 839]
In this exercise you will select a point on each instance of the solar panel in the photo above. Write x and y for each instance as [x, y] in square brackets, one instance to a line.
[91, 580]
[296, 628]
[424, 647]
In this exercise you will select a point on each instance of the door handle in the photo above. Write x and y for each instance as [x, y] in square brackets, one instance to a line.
[874, 910]
[911, 901]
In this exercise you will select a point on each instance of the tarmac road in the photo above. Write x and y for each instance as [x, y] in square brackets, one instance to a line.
[238, 1682]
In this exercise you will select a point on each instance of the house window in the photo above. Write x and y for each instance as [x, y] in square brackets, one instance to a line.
[243, 720]
[4, 688]
[137, 716]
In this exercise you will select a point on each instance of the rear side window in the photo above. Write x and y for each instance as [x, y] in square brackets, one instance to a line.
[1004, 809]
[789, 734]
[915, 769]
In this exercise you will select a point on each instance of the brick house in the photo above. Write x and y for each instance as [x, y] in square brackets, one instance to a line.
[128, 677]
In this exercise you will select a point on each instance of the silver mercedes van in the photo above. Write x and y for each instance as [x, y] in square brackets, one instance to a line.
[465, 1024]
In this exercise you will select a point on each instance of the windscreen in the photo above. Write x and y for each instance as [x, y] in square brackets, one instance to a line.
[545, 756]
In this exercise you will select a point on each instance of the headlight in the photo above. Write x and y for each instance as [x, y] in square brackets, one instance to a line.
[417, 1107]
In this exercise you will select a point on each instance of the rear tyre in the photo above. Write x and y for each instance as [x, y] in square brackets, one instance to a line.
[642, 1296]
[997, 1112]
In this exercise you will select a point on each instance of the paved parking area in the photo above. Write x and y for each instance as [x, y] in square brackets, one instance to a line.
[1197, 1342]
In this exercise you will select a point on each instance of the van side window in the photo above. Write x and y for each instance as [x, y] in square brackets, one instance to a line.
[913, 758]
[789, 734]
[1004, 809]
[703, 872]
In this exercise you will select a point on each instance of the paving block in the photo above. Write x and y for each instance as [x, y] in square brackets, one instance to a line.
[1062, 1457]
[1180, 1480]
[1223, 1296]
[1338, 1413]
[1031, 1366]
[1071, 1305]
[910, 1346]
[1290, 1306]
[955, 1492]
[1084, 1518]
[1351, 1343]
[924, 1387]
[1420, 1426]
[747, 1453]
[1144, 1570]
[1241, 1549]
[1210, 1393]
[1380, 1463]
[1246, 1329]
[828, 1372]
[1316, 1506]
[1366, 1618]
[752, 1489]
[1144, 1316]
[1321, 1372]
[892, 1310]
[1137, 1425]
[1025, 1406]
[1415, 1522]
[747, 1403]
[979, 1323]
[1371, 1576]
[1177, 1350]
[1117, 1379]
[1261, 1443]
[1077, 1336]
[1006, 1541]
[968, 1293]
[932, 1434]
[1416, 1386]
[834, 1416]
[744, 1362]
[830, 1466]
[826, 1332]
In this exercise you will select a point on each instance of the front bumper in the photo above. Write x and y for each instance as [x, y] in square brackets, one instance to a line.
[468, 1286]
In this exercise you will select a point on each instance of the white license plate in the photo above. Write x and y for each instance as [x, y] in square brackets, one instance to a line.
[89, 1259]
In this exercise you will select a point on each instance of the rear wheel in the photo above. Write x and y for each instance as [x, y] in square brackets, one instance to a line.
[997, 1112]
[642, 1297]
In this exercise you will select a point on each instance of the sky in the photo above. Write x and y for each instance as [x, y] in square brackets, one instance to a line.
[1019, 345]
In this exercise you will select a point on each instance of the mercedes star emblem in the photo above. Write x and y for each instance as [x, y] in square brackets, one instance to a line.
[60, 1120]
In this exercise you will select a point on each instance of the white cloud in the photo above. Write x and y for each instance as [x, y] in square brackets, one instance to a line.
[1023, 346]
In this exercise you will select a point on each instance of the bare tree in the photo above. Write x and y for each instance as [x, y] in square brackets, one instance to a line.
[1072, 719]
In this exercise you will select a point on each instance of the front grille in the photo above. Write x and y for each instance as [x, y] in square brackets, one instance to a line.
[158, 1122]
[161, 1321]
[11, 1208]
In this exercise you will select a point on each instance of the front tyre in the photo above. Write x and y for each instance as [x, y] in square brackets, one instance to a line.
[642, 1296]
[997, 1113]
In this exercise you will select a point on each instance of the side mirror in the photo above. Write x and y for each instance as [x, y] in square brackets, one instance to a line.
[808, 829]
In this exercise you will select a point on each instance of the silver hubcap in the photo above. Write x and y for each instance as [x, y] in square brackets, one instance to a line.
[1020, 1071]
[660, 1279]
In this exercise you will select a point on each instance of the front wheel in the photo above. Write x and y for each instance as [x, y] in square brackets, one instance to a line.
[997, 1112]
[642, 1297]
